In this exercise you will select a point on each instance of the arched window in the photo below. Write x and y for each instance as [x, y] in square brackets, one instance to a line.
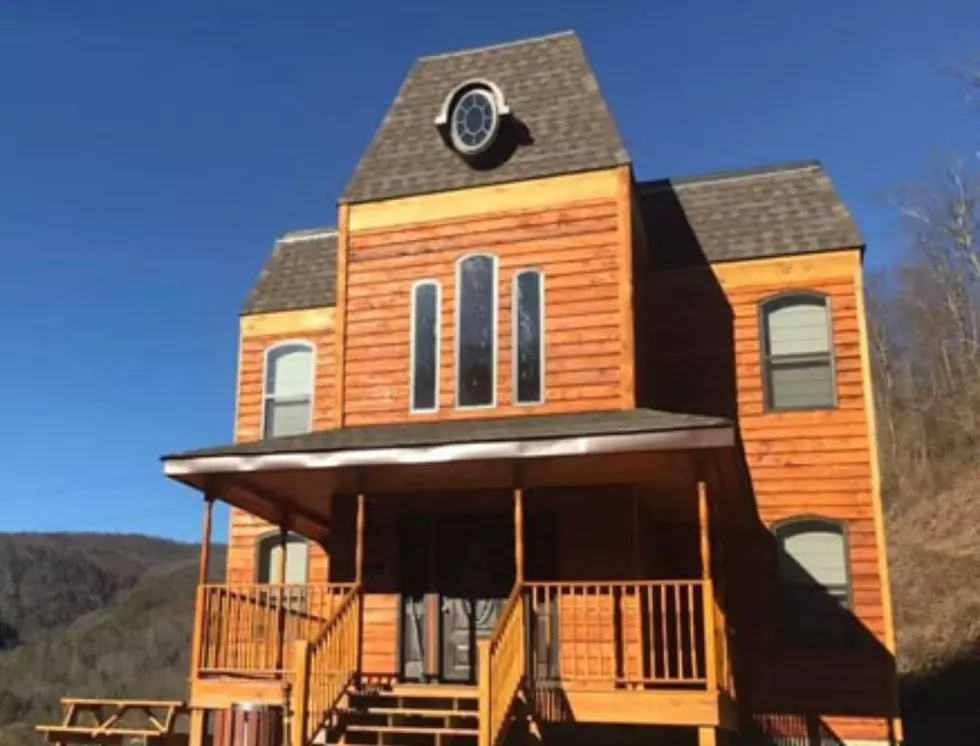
[814, 582]
[288, 389]
[297, 559]
[798, 361]
[528, 343]
[426, 304]
[476, 331]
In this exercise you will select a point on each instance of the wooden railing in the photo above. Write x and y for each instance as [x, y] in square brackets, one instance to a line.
[247, 628]
[627, 634]
[502, 667]
[325, 668]
[724, 678]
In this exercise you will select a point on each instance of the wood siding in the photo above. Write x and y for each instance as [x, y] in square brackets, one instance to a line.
[708, 358]
[693, 345]
[576, 242]
[259, 333]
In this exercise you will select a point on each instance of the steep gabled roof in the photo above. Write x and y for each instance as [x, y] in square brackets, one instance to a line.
[747, 214]
[301, 272]
[564, 123]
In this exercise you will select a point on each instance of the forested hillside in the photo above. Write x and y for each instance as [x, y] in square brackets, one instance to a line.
[91, 615]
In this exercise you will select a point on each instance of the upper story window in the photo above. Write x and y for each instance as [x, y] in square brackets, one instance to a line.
[288, 389]
[798, 361]
[476, 331]
[426, 302]
[814, 582]
[529, 336]
[270, 559]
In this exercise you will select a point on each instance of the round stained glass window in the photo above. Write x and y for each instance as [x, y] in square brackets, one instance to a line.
[475, 121]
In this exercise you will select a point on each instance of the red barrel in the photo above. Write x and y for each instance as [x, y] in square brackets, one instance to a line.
[247, 724]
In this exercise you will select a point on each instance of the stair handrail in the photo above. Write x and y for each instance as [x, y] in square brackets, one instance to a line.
[502, 667]
[325, 668]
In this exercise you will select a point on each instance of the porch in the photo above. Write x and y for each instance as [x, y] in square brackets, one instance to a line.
[548, 589]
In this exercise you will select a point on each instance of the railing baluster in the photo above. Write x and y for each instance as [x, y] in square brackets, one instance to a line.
[693, 633]
[677, 625]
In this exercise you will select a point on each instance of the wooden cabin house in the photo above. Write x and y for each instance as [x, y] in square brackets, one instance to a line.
[530, 448]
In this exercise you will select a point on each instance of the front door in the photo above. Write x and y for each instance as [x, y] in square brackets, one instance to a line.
[476, 573]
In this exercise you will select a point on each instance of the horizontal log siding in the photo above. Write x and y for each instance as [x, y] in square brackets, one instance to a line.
[708, 359]
[818, 462]
[575, 246]
[246, 529]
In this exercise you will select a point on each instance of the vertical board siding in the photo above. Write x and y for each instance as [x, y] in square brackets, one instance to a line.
[576, 248]
[246, 529]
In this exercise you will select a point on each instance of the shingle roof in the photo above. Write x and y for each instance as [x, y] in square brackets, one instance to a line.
[748, 214]
[552, 91]
[765, 212]
[301, 272]
[524, 428]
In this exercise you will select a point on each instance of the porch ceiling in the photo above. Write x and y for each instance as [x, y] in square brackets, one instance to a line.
[296, 476]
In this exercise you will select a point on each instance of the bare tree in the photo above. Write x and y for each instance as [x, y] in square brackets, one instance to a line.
[924, 327]
[969, 73]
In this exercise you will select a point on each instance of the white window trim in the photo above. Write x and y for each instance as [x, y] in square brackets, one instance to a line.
[494, 332]
[411, 375]
[265, 378]
[271, 539]
[515, 319]
[801, 295]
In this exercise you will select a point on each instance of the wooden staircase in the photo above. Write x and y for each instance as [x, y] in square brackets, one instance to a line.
[409, 715]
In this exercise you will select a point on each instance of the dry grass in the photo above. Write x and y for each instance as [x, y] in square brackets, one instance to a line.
[934, 546]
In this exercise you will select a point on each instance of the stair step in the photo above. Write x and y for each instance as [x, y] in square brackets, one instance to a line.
[409, 729]
[413, 712]
[435, 691]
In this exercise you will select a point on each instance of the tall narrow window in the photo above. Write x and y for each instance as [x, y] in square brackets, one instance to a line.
[529, 336]
[814, 587]
[476, 331]
[288, 389]
[798, 365]
[425, 346]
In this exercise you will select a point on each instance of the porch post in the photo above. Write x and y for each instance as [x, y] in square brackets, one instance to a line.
[202, 577]
[708, 603]
[635, 537]
[281, 612]
[704, 520]
[359, 548]
[359, 579]
[200, 613]
[519, 534]
[283, 543]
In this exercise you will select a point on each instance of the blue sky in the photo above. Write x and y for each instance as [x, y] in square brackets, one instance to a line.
[151, 152]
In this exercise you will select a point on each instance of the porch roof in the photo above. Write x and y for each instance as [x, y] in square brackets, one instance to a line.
[296, 475]
[452, 440]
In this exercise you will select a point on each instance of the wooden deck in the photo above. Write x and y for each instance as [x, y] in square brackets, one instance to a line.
[637, 652]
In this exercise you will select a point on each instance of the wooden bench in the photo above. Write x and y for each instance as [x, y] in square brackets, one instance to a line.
[116, 721]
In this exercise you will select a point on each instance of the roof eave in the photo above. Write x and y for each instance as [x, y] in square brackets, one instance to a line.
[181, 466]
[347, 199]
